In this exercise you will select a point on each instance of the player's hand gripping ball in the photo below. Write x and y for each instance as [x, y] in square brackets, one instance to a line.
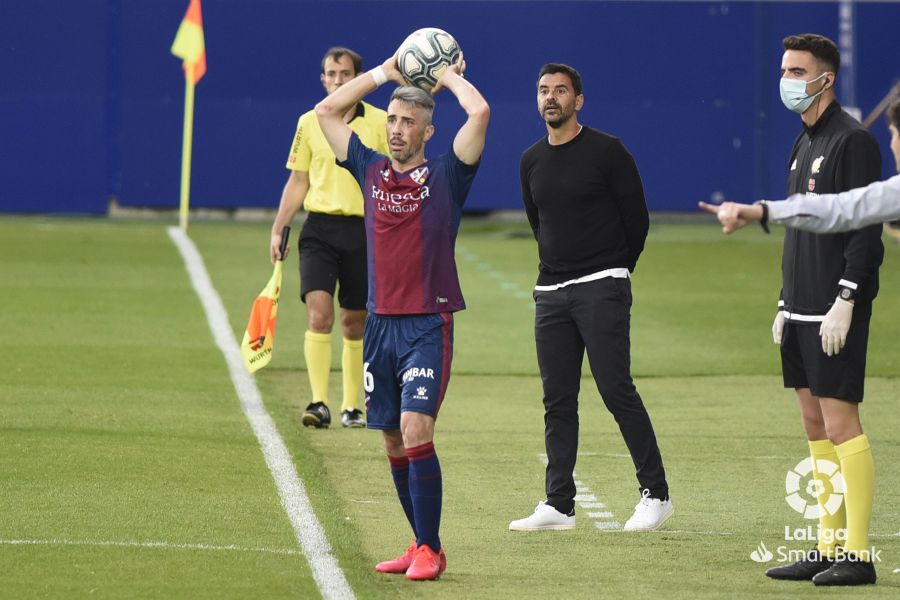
[424, 55]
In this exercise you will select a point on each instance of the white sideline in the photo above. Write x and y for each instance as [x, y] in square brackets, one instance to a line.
[163, 545]
[325, 569]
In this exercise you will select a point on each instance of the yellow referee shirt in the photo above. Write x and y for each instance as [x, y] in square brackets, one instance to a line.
[332, 190]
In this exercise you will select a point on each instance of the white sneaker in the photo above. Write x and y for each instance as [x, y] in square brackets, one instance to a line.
[544, 517]
[649, 514]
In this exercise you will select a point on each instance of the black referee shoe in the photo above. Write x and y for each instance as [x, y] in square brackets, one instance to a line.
[802, 570]
[352, 418]
[316, 415]
[847, 570]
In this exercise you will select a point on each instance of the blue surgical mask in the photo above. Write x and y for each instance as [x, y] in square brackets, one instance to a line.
[794, 96]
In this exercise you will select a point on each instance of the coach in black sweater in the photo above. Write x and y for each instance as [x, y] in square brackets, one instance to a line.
[585, 203]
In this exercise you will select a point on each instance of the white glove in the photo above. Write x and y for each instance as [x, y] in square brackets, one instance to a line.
[778, 327]
[835, 326]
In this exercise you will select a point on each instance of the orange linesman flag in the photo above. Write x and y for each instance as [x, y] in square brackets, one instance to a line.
[259, 339]
[190, 45]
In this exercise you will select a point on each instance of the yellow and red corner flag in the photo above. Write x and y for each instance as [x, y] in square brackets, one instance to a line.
[190, 47]
[259, 338]
[189, 44]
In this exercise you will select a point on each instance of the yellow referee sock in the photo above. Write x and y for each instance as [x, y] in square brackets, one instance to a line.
[829, 524]
[352, 367]
[859, 476]
[317, 351]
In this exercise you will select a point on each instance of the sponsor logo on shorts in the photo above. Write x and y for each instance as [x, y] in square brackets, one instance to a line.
[414, 372]
[421, 393]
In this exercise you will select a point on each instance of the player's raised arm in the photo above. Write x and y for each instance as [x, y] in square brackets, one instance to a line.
[331, 110]
[469, 141]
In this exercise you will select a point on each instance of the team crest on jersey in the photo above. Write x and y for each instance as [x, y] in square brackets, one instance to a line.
[817, 165]
[812, 184]
[386, 173]
[419, 175]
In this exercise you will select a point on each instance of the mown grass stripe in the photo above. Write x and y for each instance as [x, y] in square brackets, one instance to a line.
[327, 573]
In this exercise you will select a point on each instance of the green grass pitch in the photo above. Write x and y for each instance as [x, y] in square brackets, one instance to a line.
[127, 469]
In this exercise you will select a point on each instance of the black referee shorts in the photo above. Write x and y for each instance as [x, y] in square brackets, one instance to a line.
[805, 365]
[332, 251]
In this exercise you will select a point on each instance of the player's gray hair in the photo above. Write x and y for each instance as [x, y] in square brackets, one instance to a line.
[414, 96]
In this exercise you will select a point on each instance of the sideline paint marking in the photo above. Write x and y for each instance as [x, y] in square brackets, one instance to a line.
[309, 533]
[605, 520]
[164, 545]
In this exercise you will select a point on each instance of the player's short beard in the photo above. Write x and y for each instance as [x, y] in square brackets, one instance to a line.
[405, 155]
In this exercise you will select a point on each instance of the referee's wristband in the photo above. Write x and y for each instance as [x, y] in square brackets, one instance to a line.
[378, 75]
[764, 220]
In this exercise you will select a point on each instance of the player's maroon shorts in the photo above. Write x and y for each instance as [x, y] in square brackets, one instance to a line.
[406, 366]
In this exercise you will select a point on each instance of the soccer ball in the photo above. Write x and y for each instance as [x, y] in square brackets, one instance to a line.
[424, 55]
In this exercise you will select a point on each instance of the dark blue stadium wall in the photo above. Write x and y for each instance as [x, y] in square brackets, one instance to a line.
[91, 102]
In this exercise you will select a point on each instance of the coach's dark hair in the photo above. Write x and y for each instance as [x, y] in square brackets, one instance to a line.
[553, 68]
[337, 52]
[893, 114]
[822, 48]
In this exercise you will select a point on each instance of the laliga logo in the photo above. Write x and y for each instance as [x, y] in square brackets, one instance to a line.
[815, 487]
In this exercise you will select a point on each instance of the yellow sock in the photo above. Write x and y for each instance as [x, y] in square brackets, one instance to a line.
[317, 351]
[352, 367]
[859, 477]
[829, 524]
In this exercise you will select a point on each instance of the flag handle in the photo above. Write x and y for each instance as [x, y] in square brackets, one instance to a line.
[186, 142]
[285, 234]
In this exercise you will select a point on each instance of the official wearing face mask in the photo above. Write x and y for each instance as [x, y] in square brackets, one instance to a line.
[822, 321]
[794, 93]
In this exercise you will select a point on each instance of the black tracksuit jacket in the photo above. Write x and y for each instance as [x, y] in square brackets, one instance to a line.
[836, 154]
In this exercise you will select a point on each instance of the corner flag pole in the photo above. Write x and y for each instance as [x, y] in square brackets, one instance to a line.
[190, 46]
[186, 144]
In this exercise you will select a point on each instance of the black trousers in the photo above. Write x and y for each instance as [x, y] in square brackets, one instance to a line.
[593, 316]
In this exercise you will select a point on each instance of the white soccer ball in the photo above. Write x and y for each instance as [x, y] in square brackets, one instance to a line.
[424, 55]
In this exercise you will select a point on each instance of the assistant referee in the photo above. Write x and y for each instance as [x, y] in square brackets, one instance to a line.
[332, 243]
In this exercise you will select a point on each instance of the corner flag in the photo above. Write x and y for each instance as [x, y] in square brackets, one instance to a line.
[189, 44]
[259, 338]
[190, 47]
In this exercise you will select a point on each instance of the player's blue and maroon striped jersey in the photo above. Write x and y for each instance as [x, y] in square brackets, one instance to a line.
[412, 219]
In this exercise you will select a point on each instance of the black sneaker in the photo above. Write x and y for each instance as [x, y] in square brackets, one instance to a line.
[316, 415]
[802, 570]
[847, 570]
[352, 418]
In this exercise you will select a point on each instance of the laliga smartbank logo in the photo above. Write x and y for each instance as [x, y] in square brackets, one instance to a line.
[811, 491]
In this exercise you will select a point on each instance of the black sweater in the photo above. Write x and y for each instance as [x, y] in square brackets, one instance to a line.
[834, 155]
[585, 202]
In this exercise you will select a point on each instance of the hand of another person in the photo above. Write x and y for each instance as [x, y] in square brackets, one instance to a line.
[835, 326]
[778, 328]
[733, 215]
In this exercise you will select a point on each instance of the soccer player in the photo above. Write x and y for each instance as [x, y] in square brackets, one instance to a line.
[828, 213]
[332, 243]
[412, 214]
[585, 202]
[828, 285]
